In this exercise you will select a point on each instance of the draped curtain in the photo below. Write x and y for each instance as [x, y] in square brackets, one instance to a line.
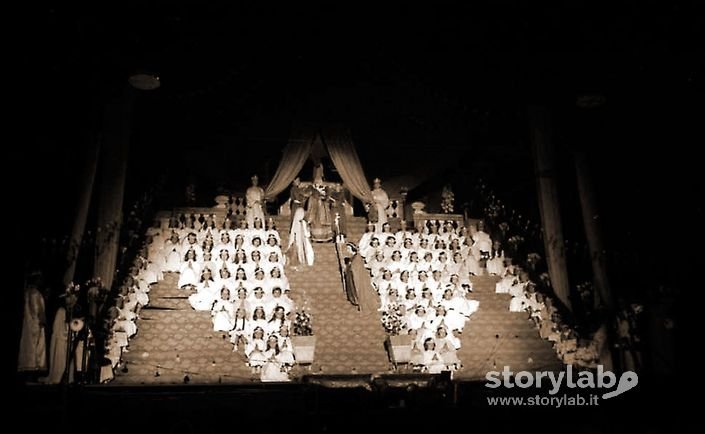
[344, 156]
[113, 172]
[294, 157]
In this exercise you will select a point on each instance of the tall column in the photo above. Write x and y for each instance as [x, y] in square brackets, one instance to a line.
[544, 165]
[593, 233]
[113, 171]
[82, 207]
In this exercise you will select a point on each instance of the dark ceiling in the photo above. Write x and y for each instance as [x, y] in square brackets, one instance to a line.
[413, 83]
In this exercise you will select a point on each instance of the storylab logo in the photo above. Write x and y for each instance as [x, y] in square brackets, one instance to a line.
[603, 380]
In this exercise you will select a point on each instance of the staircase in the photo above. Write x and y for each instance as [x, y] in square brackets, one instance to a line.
[174, 341]
[347, 341]
[495, 337]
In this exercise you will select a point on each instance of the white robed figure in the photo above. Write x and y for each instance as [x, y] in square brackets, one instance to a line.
[300, 250]
[381, 202]
[58, 348]
[32, 354]
[255, 199]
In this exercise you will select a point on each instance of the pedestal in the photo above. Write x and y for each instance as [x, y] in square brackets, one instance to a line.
[399, 348]
[222, 201]
[304, 349]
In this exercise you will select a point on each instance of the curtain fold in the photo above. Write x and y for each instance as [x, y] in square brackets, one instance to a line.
[344, 156]
[294, 157]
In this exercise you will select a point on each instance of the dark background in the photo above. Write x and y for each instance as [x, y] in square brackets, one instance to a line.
[418, 87]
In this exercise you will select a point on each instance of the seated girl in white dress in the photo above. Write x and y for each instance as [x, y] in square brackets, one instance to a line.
[254, 350]
[172, 255]
[223, 312]
[495, 265]
[241, 330]
[277, 320]
[273, 368]
[286, 348]
[431, 360]
[241, 300]
[239, 258]
[447, 346]
[223, 260]
[240, 279]
[207, 293]
[190, 270]
[259, 320]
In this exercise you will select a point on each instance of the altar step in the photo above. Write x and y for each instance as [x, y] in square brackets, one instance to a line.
[495, 337]
[174, 341]
[346, 340]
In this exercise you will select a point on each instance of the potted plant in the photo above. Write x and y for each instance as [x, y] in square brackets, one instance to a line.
[398, 346]
[303, 341]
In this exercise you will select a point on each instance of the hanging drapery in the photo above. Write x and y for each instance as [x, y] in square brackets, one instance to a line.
[547, 189]
[293, 159]
[344, 156]
[79, 223]
[113, 171]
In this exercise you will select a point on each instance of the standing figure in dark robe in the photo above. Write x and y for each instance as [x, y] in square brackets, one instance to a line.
[358, 283]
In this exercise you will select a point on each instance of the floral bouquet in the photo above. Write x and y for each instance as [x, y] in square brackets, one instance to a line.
[448, 198]
[302, 323]
[391, 322]
[71, 295]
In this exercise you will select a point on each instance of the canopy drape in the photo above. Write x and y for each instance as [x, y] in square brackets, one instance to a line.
[342, 153]
[294, 157]
[344, 156]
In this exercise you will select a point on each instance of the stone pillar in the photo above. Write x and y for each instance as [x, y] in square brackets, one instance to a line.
[543, 153]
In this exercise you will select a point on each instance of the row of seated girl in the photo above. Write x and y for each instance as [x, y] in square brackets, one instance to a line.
[256, 307]
[170, 245]
[436, 354]
[123, 316]
[187, 258]
[261, 330]
[208, 289]
[449, 259]
[209, 225]
[429, 297]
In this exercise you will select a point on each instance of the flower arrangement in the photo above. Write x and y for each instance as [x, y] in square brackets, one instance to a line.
[533, 258]
[516, 240]
[447, 200]
[71, 295]
[302, 323]
[391, 322]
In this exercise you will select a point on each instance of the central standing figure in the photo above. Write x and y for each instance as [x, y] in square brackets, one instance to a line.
[318, 213]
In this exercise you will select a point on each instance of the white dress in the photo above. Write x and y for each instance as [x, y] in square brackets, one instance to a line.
[223, 316]
[300, 240]
[207, 294]
[189, 273]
